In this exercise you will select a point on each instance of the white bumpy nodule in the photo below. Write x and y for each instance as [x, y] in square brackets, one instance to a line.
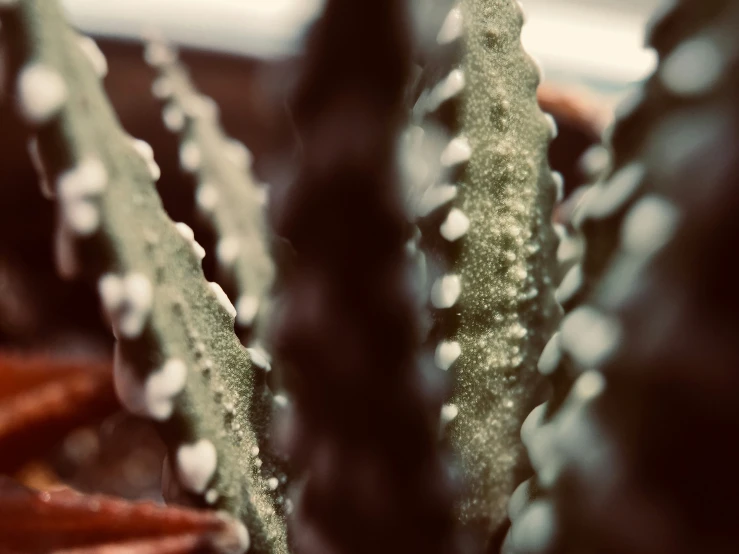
[128, 302]
[196, 465]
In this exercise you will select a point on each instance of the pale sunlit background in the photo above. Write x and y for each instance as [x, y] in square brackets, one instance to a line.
[596, 43]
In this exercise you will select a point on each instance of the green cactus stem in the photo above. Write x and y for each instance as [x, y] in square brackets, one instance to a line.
[227, 193]
[652, 325]
[491, 225]
[177, 359]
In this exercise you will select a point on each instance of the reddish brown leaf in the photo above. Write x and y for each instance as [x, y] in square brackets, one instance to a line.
[179, 544]
[63, 520]
[42, 399]
[20, 372]
[577, 106]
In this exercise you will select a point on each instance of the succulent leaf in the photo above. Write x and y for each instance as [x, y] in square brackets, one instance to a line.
[177, 358]
[494, 307]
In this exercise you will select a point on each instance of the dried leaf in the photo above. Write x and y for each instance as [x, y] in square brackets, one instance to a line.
[41, 399]
[64, 520]
[163, 545]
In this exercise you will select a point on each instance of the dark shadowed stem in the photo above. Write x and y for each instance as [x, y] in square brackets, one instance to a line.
[363, 436]
[635, 459]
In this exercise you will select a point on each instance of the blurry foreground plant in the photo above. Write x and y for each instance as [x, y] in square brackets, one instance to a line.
[416, 304]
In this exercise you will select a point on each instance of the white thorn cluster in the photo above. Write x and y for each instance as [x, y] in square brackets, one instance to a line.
[273, 483]
[173, 118]
[153, 398]
[79, 189]
[606, 199]
[448, 413]
[190, 156]
[570, 285]
[238, 153]
[649, 225]
[162, 387]
[158, 54]
[411, 247]
[455, 225]
[559, 185]
[41, 93]
[196, 465]
[38, 165]
[551, 355]
[189, 235]
[589, 385]
[199, 106]
[532, 424]
[590, 336]
[594, 161]
[519, 500]
[128, 301]
[452, 28]
[211, 497]
[281, 400]
[412, 154]
[693, 68]
[145, 150]
[260, 357]
[434, 197]
[449, 87]
[457, 151]
[446, 291]
[247, 308]
[420, 268]
[552, 445]
[162, 88]
[236, 539]
[261, 191]
[223, 299]
[534, 530]
[206, 197]
[227, 250]
[96, 57]
[242, 536]
[569, 247]
[446, 354]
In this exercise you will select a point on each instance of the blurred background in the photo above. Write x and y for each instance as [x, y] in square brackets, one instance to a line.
[245, 54]
[597, 43]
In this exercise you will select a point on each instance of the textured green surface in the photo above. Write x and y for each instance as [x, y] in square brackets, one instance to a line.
[507, 262]
[135, 235]
[224, 179]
